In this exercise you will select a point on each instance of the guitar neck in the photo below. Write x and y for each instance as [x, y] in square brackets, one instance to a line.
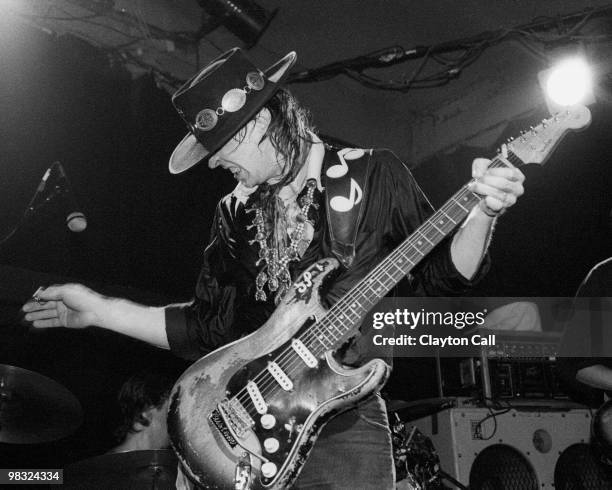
[346, 315]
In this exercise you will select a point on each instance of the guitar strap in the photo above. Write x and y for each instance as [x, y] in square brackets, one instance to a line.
[345, 177]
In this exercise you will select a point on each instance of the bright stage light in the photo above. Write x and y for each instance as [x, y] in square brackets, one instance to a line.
[569, 82]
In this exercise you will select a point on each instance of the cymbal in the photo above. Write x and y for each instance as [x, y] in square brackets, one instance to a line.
[412, 410]
[152, 470]
[35, 409]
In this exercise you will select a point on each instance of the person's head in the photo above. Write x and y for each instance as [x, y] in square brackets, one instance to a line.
[272, 147]
[241, 119]
[143, 402]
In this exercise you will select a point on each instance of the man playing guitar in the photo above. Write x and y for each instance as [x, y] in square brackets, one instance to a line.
[276, 223]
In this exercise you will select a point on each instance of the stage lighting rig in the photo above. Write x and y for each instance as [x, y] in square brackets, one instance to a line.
[243, 18]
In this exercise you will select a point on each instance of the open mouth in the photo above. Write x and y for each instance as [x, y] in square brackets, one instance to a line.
[236, 172]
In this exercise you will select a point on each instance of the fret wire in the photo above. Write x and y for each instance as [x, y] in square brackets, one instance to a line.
[393, 279]
[423, 235]
[438, 229]
[380, 281]
[401, 271]
[459, 204]
[317, 332]
[320, 342]
[448, 216]
[404, 258]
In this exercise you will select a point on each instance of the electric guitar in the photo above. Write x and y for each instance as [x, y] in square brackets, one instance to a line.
[247, 415]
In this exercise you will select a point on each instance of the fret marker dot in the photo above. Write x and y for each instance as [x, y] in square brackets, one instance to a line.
[419, 243]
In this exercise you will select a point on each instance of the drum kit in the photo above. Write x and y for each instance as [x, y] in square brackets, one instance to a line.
[417, 465]
[35, 409]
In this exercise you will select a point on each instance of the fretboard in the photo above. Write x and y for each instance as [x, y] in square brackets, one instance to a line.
[346, 315]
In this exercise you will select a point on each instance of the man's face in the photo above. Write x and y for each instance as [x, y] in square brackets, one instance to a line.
[251, 159]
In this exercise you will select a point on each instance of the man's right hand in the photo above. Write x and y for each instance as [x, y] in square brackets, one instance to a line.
[76, 306]
[67, 305]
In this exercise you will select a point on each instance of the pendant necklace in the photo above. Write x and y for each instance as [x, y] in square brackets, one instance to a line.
[275, 272]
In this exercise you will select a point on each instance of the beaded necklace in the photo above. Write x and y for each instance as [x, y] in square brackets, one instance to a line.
[275, 271]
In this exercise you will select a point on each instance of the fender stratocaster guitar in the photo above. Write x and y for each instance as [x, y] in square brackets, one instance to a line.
[247, 415]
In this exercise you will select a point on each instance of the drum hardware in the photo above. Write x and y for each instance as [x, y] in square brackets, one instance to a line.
[35, 409]
[134, 470]
[417, 464]
[416, 460]
[416, 409]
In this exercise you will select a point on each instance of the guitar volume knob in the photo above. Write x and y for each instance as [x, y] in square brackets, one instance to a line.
[271, 445]
[268, 470]
[268, 421]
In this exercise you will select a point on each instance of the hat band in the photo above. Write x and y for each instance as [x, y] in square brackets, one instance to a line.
[233, 100]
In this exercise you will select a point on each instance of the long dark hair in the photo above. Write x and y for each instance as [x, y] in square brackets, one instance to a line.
[290, 132]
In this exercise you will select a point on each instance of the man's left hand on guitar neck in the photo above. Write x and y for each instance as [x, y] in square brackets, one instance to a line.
[500, 188]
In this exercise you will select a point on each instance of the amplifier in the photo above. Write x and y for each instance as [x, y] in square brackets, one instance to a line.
[521, 365]
[515, 449]
[524, 345]
[521, 378]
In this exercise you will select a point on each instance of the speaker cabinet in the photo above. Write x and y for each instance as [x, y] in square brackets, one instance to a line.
[578, 468]
[506, 449]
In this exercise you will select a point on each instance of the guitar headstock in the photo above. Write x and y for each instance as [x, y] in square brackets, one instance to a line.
[535, 145]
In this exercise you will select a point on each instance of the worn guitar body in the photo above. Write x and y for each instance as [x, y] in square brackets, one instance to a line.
[222, 445]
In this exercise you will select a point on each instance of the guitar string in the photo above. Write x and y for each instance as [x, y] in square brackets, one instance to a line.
[292, 360]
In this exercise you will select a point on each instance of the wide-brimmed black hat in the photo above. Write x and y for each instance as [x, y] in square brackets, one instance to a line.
[219, 100]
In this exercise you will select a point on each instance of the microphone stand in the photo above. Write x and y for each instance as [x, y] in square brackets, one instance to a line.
[31, 210]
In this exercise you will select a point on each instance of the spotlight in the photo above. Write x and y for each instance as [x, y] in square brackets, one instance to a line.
[243, 18]
[567, 83]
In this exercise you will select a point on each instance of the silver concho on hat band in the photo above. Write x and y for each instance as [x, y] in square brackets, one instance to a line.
[255, 80]
[206, 119]
[233, 100]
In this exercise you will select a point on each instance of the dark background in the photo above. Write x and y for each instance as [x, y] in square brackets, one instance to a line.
[63, 100]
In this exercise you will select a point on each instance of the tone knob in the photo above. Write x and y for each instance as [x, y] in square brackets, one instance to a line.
[268, 421]
[268, 470]
[271, 445]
